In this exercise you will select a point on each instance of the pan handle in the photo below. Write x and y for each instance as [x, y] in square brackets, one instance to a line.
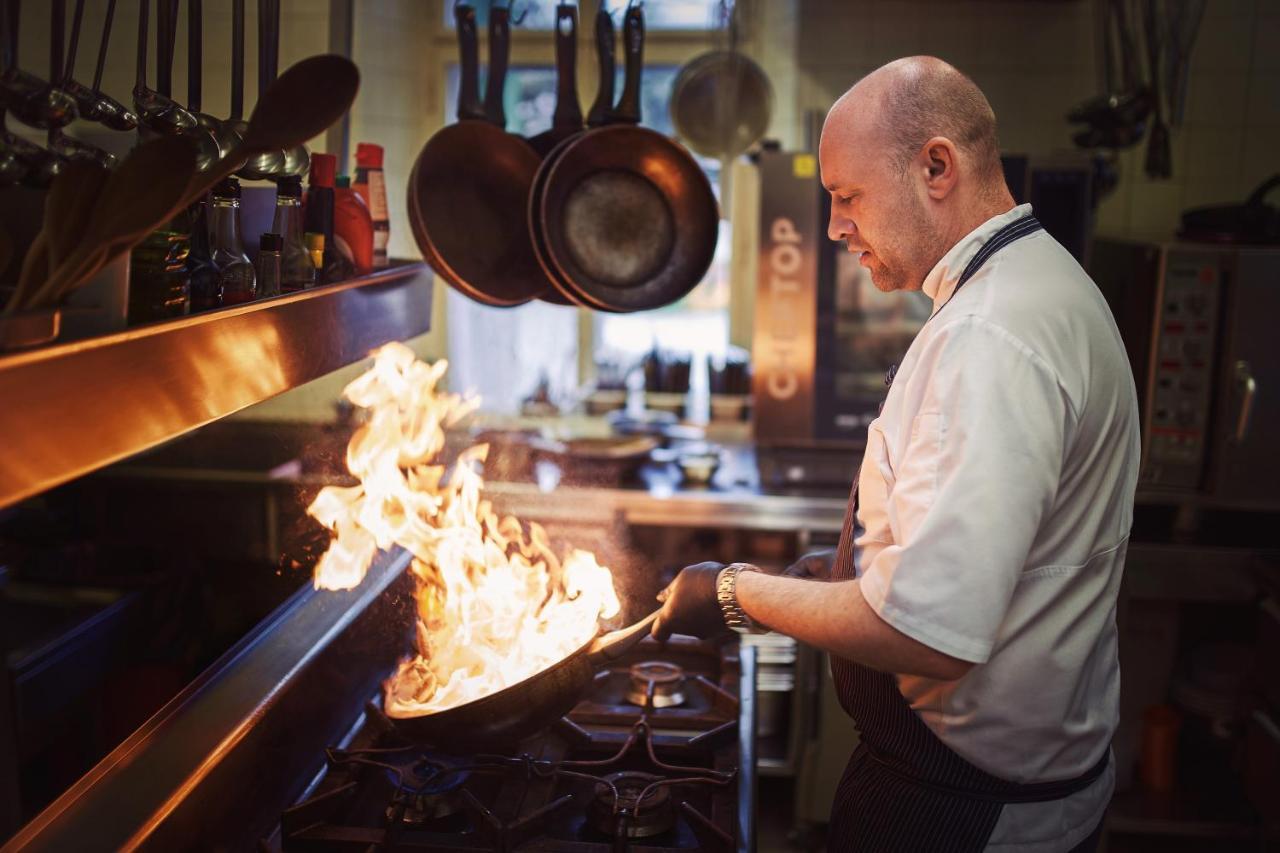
[615, 644]
[605, 47]
[568, 115]
[499, 53]
[464, 16]
[628, 109]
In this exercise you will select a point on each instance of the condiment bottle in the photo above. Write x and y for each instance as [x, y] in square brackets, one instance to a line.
[315, 249]
[319, 212]
[235, 273]
[268, 265]
[371, 185]
[352, 226]
[297, 272]
[159, 286]
[206, 285]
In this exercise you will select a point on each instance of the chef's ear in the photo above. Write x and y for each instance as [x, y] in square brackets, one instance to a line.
[937, 163]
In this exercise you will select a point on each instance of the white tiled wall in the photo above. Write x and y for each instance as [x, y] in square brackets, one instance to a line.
[1035, 59]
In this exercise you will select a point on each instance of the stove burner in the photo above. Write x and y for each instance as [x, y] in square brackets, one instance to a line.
[639, 810]
[665, 679]
[427, 789]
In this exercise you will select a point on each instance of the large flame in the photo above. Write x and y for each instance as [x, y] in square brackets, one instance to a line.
[494, 604]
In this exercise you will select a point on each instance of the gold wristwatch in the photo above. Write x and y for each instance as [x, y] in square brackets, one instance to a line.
[727, 596]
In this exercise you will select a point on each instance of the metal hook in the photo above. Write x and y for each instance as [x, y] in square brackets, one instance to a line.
[517, 20]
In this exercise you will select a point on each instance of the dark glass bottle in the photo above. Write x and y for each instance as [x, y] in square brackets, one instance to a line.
[206, 285]
[158, 284]
[319, 216]
[296, 270]
[235, 272]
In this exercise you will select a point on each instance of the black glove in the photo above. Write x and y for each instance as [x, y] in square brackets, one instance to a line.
[690, 606]
[816, 565]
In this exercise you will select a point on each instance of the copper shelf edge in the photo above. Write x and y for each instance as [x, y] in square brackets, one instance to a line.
[72, 408]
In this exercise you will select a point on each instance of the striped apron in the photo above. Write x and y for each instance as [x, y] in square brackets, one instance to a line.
[904, 789]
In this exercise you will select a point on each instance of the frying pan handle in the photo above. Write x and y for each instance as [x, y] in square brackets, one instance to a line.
[195, 48]
[464, 17]
[615, 644]
[628, 109]
[499, 53]
[604, 55]
[568, 115]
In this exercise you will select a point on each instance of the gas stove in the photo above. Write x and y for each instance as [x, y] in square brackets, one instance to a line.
[658, 755]
[279, 746]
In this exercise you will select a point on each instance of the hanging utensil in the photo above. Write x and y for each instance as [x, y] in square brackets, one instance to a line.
[195, 73]
[267, 164]
[721, 102]
[297, 160]
[69, 147]
[560, 293]
[629, 219]
[20, 160]
[1159, 160]
[470, 185]
[1184, 25]
[231, 130]
[527, 707]
[92, 104]
[157, 113]
[33, 101]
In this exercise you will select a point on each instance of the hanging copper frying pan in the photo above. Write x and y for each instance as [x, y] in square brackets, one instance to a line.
[560, 293]
[628, 218]
[470, 186]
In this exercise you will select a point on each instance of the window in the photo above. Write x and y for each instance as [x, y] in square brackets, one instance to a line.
[658, 14]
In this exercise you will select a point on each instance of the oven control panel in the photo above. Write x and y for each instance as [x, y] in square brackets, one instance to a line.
[1181, 382]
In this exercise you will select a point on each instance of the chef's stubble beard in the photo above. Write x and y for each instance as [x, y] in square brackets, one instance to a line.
[914, 248]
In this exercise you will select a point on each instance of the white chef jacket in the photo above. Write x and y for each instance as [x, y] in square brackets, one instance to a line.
[996, 499]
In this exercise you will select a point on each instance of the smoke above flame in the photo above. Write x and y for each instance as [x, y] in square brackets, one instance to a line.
[494, 603]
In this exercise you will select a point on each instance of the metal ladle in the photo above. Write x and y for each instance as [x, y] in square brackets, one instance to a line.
[231, 131]
[297, 160]
[69, 147]
[93, 105]
[158, 114]
[20, 160]
[269, 164]
[32, 101]
[201, 137]
[195, 46]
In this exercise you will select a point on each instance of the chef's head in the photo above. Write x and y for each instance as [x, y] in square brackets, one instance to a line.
[910, 157]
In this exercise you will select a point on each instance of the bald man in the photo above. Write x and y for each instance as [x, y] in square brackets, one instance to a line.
[969, 610]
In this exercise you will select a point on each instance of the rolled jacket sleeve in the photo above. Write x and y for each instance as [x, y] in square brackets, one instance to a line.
[971, 472]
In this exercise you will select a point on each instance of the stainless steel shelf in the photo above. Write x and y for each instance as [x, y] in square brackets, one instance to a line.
[68, 409]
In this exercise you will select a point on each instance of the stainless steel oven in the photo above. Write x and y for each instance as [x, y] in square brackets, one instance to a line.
[1198, 322]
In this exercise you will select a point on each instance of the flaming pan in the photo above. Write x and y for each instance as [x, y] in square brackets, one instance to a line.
[513, 713]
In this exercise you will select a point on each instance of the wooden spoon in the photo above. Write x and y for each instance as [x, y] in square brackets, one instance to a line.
[302, 102]
[71, 196]
[141, 195]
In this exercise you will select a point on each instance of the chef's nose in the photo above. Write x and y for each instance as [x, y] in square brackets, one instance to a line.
[840, 227]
